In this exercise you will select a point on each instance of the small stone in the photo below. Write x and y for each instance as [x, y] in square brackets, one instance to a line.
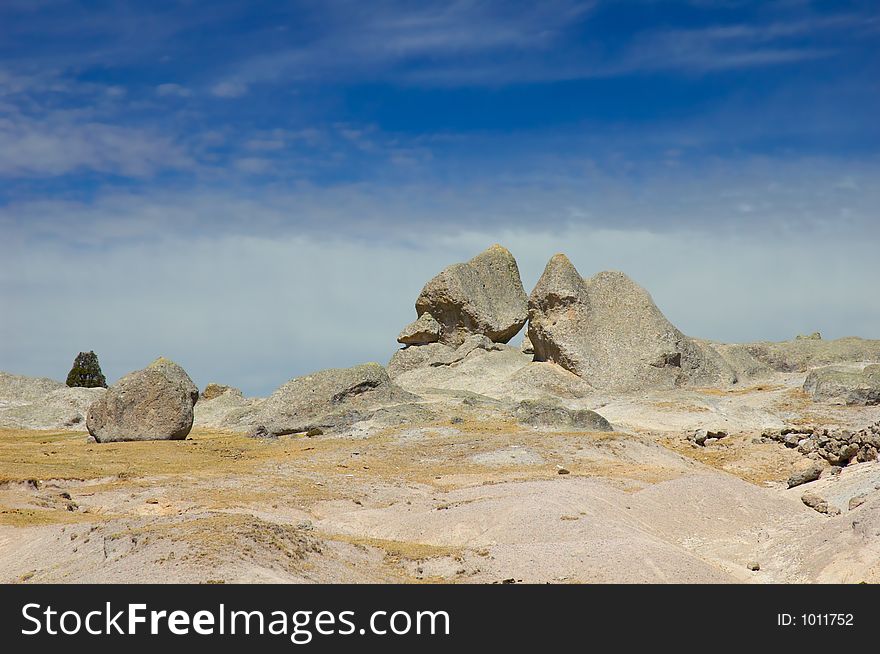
[818, 503]
[754, 566]
[152, 501]
[562, 471]
[710, 441]
[857, 501]
[805, 476]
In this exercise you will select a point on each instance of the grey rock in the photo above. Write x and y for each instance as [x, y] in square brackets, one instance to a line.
[437, 354]
[608, 330]
[538, 380]
[805, 476]
[542, 413]
[410, 358]
[329, 399]
[214, 390]
[155, 403]
[857, 501]
[483, 296]
[421, 332]
[754, 566]
[41, 403]
[800, 355]
[852, 384]
[703, 436]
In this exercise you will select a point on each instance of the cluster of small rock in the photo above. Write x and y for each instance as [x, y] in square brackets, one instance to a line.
[839, 447]
[704, 437]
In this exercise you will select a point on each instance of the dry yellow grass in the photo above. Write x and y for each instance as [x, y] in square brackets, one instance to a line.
[41, 455]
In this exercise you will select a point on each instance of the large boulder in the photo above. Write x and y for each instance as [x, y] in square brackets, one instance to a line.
[483, 296]
[608, 330]
[155, 403]
[328, 399]
[853, 384]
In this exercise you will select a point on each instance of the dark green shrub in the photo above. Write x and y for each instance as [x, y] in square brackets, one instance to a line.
[86, 372]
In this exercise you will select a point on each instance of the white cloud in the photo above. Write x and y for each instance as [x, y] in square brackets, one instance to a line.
[171, 89]
[61, 143]
[229, 89]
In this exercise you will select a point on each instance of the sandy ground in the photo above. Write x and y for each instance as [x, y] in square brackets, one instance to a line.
[466, 499]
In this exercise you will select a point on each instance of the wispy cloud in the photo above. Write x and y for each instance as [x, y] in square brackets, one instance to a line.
[171, 89]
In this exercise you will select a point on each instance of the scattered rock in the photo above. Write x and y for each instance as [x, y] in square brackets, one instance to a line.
[852, 384]
[839, 447]
[818, 503]
[421, 332]
[608, 330]
[754, 566]
[706, 437]
[562, 471]
[155, 403]
[805, 476]
[857, 501]
[483, 296]
[526, 346]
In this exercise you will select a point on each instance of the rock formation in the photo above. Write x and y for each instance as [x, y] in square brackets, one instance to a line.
[852, 384]
[86, 372]
[327, 399]
[483, 296]
[155, 403]
[41, 403]
[214, 390]
[608, 330]
[541, 413]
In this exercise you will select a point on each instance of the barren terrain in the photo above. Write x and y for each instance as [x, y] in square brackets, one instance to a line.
[465, 498]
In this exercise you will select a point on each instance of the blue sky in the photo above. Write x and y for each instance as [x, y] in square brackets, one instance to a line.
[259, 189]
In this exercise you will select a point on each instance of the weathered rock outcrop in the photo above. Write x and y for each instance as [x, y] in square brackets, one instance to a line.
[328, 399]
[41, 403]
[434, 355]
[214, 390]
[607, 330]
[483, 296]
[155, 403]
[542, 413]
[852, 384]
[802, 354]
